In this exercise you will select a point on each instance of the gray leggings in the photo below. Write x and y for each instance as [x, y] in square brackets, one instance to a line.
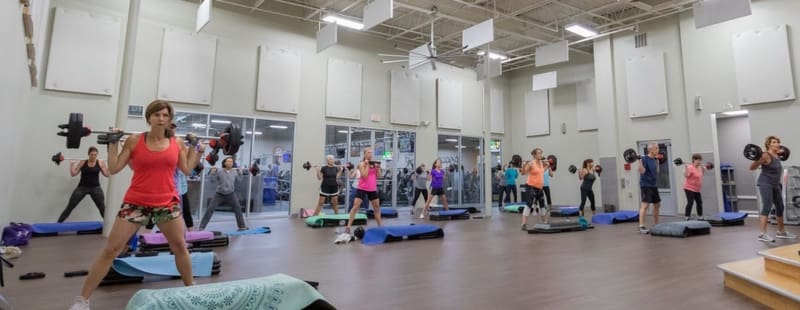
[771, 194]
[96, 192]
[228, 200]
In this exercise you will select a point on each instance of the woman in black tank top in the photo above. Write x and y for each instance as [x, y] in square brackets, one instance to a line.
[587, 177]
[329, 175]
[90, 170]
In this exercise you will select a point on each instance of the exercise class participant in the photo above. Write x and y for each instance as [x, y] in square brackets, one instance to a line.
[587, 176]
[548, 173]
[367, 188]
[535, 171]
[226, 182]
[90, 170]
[420, 179]
[151, 195]
[329, 188]
[691, 186]
[437, 187]
[648, 170]
[769, 186]
[511, 174]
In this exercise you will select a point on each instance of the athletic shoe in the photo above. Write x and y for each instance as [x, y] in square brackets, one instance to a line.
[687, 218]
[785, 235]
[80, 304]
[421, 216]
[765, 238]
[524, 227]
[643, 230]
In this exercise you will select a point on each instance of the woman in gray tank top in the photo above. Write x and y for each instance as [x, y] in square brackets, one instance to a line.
[420, 177]
[769, 186]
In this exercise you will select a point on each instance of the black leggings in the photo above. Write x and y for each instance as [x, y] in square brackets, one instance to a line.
[509, 190]
[417, 192]
[584, 194]
[535, 196]
[693, 197]
[96, 192]
[546, 190]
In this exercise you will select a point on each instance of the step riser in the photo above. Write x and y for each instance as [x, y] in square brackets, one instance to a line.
[782, 268]
[758, 293]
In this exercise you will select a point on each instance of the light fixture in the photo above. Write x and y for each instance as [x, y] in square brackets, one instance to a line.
[253, 133]
[451, 140]
[342, 131]
[735, 113]
[275, 126]
[581, 30]
[198, 125]
[344, 22]
[220, 121]
[493, 55]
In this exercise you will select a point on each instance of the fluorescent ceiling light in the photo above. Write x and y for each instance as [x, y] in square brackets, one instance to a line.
[278, 126]
[219, 121]
[344, 22]
[253, 133]
[198, 125]
[735, 113]
[493, 55]
[451, 140]
[343, 131]
[581, 30]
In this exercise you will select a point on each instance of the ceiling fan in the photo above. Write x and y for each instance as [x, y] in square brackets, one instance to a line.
[425, 53]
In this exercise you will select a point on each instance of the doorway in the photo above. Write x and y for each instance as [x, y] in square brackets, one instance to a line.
[738, 182]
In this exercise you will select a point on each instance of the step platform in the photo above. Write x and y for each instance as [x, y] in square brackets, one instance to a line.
[378, 235]
[753, 278]
[564, 211]
[515, 207]
[447, 215]
[194, 239]
[681, 229]
[386, 212]
[55, 229]
[549, 228]
[333, 220]
[623, 216]
[470, 210]
[727, 219]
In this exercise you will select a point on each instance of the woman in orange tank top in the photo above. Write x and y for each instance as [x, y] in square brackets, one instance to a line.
[535, 171]
[151, 196]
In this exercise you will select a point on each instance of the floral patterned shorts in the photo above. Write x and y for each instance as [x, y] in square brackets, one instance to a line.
[143, 215]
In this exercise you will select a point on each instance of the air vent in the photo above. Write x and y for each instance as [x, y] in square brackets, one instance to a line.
[641, 40]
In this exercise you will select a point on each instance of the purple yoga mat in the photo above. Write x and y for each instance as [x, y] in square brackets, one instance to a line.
[192, 236]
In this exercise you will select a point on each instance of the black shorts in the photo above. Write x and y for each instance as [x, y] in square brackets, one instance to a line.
[367, 195]
[650, 195]
[328, 191]
[437, 191]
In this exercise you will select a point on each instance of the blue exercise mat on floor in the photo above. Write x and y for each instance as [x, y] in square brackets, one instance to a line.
[452, 212]
[277, 291]
[566, 210]
[378, 235]
[733, 216]
[384, 211]
[163, 265]
[616, 217]
[260, 230]
[49, 228]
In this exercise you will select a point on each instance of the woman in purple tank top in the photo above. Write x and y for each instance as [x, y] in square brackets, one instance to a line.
[437, 187]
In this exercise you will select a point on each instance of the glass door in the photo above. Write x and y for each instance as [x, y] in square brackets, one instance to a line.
[272, 145]
[241, 161]
[472, 172]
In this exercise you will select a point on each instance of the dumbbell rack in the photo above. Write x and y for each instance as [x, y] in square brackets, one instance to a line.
[729, 187]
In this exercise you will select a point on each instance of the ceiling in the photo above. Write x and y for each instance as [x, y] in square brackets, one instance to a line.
[520, 25]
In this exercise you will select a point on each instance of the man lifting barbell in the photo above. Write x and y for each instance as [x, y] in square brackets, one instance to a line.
[151, 197]
[229, 140]
[648, 171]
[769, 183]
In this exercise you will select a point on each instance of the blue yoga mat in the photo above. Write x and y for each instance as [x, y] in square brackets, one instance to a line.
[453, 212]
[47, 228]
[568, 210]
[260, 230]
[615, 217]
[732, 216]
[377, 235]
[163, 265]
[385, 211]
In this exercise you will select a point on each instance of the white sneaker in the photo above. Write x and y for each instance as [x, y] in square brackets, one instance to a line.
[80, 304]
[785, 235]
[765, 238]
[421, 216]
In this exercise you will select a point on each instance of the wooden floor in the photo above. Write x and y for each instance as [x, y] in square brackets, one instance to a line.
[480, 264]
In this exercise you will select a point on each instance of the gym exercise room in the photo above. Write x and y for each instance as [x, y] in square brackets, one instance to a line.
[400, 154]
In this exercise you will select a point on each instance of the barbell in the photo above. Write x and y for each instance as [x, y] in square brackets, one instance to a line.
[349, 166]
[58, 158]
[551, 160]
[597, 168]
[229, 140]
[679, 161]
[754, 152]
[631, 156]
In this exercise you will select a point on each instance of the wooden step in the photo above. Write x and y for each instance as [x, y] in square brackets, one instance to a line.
[784, 260]
[750, 278]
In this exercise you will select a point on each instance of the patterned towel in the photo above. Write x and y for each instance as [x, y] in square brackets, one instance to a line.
[277, 291]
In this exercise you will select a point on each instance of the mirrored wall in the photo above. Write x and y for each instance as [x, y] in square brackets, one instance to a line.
[462, 160]
[267, 144]
[394, 149]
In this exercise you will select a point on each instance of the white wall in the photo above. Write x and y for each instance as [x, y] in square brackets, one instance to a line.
[14, 94]
[571, 147]
[234, 92]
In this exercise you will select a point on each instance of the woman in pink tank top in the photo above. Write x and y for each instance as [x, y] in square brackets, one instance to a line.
[693, 184]
[151, 196]
[367, 188]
